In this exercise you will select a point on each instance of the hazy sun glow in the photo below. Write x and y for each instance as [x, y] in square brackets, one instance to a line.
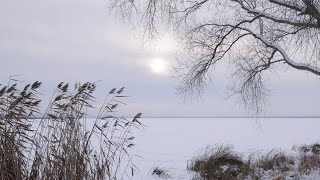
[159, 66]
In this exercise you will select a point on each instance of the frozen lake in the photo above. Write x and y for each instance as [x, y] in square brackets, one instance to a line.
[171, 142]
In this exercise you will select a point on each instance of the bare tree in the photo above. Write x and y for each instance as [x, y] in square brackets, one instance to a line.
[254, 36]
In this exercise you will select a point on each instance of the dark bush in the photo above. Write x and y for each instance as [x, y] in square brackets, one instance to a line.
[160, 172]
[309, 159]
[275, 161]
[217, 163]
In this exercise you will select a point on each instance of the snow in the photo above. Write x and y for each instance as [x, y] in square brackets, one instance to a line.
[170, 142]
[267, 175]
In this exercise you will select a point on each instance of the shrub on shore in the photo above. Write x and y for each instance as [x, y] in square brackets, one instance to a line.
[221, 162]
[309, 159]
[217, 163]
[62, 144]
[161, 172]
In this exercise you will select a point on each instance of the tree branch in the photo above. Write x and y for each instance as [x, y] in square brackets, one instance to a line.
[278, 48]
[274, 18]
[288, 5]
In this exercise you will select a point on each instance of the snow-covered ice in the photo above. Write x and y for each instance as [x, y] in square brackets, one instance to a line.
[171, 142]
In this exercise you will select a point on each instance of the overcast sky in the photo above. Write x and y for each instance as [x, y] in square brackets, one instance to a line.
[79, 40]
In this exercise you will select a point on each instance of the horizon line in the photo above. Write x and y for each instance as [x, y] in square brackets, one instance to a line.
[315, 116]
[215, 117]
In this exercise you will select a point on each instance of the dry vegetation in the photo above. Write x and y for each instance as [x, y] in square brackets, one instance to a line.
[221, 162]
[62, 144]
[309, 158]
[217, 162]
[161, 172]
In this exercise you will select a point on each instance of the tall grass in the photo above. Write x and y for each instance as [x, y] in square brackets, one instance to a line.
[62, 144]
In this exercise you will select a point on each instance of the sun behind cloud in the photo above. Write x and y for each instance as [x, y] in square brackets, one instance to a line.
[159, 66]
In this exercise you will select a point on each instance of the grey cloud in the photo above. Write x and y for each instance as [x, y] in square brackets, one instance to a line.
[79, 40]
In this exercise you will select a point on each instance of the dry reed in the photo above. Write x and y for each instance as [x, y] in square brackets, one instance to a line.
[62, 144]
